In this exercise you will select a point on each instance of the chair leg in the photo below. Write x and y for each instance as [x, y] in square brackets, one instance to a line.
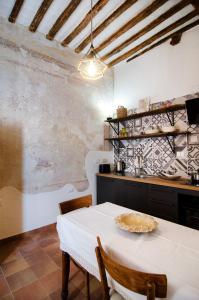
[87, 285]
[65, 274]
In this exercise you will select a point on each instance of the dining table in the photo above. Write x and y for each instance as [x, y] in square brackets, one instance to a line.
[170, 249]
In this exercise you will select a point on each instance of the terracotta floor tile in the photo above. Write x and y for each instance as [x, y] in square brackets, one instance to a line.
[21, 279]
[4, 288]
[32, 267]
[14, 266]
[57, 259]
[95, 286]
[52, 282]
[28, 248]
[7, 297]
[42, 235]
[25, 242]
[76, 295]
[9, 252]
[46, 242]
[33, 291]
[97, 295]
[37, 256]
[79, 280]
[55, 295]
[8, 257]
[52, 249]
[73, 270]
[44, 268]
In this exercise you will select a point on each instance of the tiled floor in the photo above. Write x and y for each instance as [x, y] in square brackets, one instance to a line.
[30, 269]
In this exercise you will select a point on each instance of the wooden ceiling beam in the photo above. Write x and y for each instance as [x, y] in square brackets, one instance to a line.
[176, 33]
[195, 4]
[121, 9]
[175, 39]
[135, 20]
[153, 38]
[40, 14]
[173, 10]
[63, 18]
[96, 9]
[15, 11]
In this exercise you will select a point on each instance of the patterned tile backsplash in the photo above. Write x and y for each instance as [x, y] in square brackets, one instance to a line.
[156, 153]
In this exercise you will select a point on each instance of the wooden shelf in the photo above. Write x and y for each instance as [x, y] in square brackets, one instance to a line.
[145, 136]
[148, 113]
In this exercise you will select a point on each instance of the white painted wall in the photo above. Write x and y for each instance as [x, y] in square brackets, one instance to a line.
[163, 73]
[21, 212]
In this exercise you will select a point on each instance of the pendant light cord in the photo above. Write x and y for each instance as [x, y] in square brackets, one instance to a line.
[91, 23]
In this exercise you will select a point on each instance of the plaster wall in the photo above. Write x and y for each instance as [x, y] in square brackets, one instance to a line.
[166, 72]
[50, 119]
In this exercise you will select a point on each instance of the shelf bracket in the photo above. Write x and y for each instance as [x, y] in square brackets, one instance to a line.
[117, 145]
[116, 130]
[171, 119]
[172, 145]
[116, 148]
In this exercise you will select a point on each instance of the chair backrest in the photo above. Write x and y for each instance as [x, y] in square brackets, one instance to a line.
[151, 285]
[73, 204]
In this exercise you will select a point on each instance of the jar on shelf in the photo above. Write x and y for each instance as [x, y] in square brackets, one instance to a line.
[121, 112]
[123, 132]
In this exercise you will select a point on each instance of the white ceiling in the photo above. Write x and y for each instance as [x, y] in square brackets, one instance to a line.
[30, 8]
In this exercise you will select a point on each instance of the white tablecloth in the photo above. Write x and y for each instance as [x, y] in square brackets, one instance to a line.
[172, 249]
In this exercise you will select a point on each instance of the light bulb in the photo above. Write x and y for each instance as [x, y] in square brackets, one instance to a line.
[92, 69]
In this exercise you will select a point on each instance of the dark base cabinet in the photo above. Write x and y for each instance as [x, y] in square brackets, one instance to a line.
[135, 195]
[189, 211]
[125, 193]
[163, 203]
[172, 204]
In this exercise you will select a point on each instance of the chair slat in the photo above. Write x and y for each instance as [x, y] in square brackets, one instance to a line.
[73, 204]
[148, 284]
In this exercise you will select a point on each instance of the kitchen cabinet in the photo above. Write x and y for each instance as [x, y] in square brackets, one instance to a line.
[135, 194]
[189, 210]
[170, 203]
[110, 190]
[163, 203]
[127, 194]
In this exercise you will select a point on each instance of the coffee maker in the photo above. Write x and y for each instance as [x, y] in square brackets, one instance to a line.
[120, 167]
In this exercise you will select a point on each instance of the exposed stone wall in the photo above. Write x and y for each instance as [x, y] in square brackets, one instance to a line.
[49, 115]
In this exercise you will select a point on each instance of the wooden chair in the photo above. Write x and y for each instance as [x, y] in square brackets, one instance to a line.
[66, 207]
[151, 285]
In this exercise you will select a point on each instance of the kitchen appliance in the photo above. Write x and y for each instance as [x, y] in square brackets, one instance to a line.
[192, 107]
[104, 168]
[195, 178]
[120, 167]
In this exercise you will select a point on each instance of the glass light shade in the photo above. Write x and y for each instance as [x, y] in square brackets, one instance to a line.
[91, 67]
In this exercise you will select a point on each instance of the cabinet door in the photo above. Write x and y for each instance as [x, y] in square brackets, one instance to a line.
[189, 210]
[110, 190]
[105, 190]
[162, 203]
[136, 196]
[125, 193]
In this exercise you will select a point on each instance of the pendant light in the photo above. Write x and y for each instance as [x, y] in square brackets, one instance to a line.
[90, 66]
